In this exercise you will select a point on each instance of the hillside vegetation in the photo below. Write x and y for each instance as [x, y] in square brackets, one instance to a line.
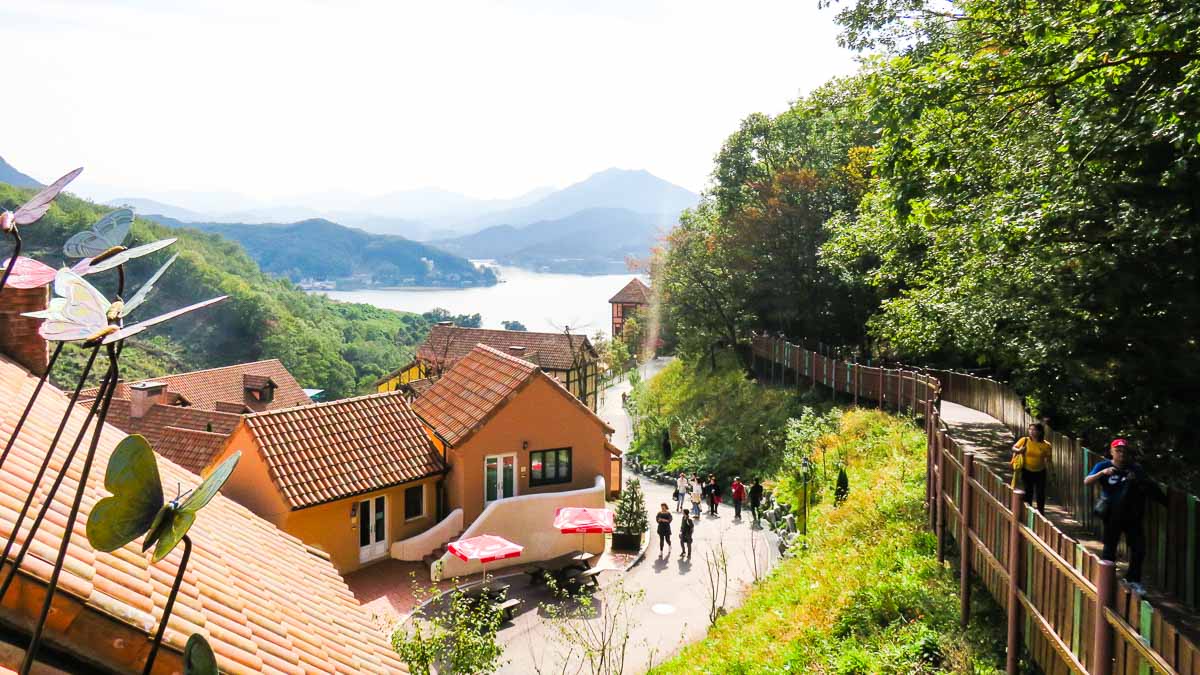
[867, 596]
[1002, 186]
[339, 347]
[320, 249]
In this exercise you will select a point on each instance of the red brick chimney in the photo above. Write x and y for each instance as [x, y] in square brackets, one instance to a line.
[19, 339]
[143, 396]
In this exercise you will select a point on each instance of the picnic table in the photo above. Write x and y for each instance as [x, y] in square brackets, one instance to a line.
[570, 571]
[495, 593]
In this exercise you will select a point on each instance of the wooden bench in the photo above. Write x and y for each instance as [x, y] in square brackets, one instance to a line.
[507, 608]
[582, 580]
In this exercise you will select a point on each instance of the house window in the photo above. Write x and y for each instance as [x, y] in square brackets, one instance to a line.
[414, 502]
[548, 467]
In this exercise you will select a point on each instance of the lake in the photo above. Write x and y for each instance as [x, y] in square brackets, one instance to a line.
[541, 301]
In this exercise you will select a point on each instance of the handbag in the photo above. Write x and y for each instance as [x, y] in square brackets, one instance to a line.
[1103, 507]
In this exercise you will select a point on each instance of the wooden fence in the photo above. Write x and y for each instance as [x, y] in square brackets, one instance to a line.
[1063, 603]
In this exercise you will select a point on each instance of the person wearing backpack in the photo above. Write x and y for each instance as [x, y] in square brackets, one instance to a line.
[685, 536]
[1124, 488]
[1031, 460]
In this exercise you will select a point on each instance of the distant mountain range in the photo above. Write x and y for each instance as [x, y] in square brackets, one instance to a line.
[591, 241]
[321, 250]
[10, 175]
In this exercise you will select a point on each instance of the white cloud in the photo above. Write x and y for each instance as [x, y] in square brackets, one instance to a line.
[281, 97]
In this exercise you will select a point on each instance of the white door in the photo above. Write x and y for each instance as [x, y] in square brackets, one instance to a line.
[372, 528]
[499, 477]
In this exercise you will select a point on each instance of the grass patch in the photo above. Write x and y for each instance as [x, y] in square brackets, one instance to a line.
[867, 596]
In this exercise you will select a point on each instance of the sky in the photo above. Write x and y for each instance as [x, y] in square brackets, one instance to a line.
[276, 99]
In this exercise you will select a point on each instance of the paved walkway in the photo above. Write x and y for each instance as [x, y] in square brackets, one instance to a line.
[673, 605]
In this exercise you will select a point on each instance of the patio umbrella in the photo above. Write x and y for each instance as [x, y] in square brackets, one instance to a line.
[580, 520]
[485, 548]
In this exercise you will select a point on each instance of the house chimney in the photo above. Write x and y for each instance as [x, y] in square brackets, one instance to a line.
[143, 396]
[519, 351]
[19, 338]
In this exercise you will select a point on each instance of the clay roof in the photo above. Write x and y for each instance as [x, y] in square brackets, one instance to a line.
[177, 433]
[264, 600]
[556, 351]
[203, 388]
[634, 293]
[327, 451]
[472, 391]
[421, 386]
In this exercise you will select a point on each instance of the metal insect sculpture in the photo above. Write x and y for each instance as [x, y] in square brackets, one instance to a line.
[108, 232]
[29, 212]
[81, 314]
[198, 657]
[137, 509]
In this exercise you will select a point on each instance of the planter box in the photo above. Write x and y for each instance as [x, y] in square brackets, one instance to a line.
[626, 542]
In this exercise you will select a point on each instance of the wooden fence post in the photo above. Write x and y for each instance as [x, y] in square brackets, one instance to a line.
[880, 393]
[1102, 635]
[857, 378]
[964, 539]
[1016, 504]
[941, 496]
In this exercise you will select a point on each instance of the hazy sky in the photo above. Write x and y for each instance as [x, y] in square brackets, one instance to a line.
[279, 98]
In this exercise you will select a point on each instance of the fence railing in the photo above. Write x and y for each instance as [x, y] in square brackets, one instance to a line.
[1063, 603]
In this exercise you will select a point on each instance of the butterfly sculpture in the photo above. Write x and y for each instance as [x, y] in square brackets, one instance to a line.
[118, 255]
[29, 212]
[27, 273]
[83, 313]
[137, 507]
[108, 232]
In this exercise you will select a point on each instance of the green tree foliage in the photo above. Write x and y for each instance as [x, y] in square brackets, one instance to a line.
[513, 325]
[455, 633]
[748, 256]
[1035, 203]
[631, 516]
[439, 315]
[339, 347]
[718, 421]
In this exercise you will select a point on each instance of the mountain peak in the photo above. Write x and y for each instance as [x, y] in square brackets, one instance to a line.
[10, 175]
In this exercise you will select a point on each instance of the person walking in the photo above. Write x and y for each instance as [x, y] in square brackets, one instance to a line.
[737, 492]
[686, 526]
[698, 491]
[681, 491]
[664, 528]
[1124, 487]
[714, 495]
[756, 495]
[1034, 464]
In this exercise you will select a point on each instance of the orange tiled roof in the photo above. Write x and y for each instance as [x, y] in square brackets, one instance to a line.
[634, 293]
[421, 386]
[175, 432]
[325, 451]
[556, 351]
[264, 600]
[478, 385]
[203, 388]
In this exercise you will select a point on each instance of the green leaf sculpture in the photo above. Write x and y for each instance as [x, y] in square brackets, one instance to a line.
[198, 657]
[137, 507]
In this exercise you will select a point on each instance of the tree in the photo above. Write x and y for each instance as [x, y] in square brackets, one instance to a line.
[631, 516]
[455, 634]
[513, 325]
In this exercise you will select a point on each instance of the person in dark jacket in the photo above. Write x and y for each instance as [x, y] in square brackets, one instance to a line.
[714, 495]
[1125, 487]
[686, 526]
[756, 495]
[664, 527]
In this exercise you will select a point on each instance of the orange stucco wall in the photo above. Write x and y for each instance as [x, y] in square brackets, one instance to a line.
[541, 417]
[328, 527]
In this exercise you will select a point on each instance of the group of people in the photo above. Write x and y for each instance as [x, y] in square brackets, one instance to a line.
[1124, 489]
[699, 491]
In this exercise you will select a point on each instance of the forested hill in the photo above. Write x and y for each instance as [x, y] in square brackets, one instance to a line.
[997, 189]
[320, 249]
[339, 347]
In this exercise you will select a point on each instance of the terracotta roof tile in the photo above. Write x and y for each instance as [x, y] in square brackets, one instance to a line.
[188, 436]
[325, 451]
[265, 602]
[634, 293]
[447, 344]
[204, 388]
[478, 385]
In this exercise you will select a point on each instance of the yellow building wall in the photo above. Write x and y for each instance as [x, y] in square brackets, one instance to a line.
[416, 372]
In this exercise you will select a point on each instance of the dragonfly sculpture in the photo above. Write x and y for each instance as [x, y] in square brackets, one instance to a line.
[29, 212]
[80, 313]
[137, 509]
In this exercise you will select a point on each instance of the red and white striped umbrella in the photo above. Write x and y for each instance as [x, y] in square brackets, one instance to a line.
[580, 520]
[485, 548]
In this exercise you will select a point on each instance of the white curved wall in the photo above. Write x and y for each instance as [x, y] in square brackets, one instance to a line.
[527, 520]
[417, 547]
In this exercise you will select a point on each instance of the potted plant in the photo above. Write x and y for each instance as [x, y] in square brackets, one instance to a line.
[631, 519]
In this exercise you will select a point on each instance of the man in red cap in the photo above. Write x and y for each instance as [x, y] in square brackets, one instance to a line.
[1124, 487]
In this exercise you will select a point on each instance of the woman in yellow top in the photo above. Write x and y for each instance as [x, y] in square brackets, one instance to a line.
[1035, 452]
